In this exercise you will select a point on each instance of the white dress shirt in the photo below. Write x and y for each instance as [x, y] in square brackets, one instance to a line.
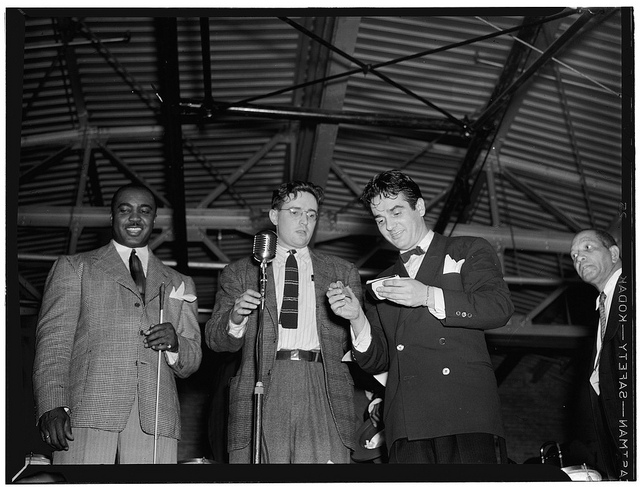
[609, 290]
[363, 340]
[305, 337]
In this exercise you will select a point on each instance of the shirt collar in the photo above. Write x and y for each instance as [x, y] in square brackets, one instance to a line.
[426, 241]
[610, 286]
[125, 252]
[282, 252]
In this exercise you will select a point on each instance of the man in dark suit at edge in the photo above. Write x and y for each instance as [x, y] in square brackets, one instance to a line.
[426, 328]
[597, 260]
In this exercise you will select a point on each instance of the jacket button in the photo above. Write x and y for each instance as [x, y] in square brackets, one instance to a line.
[464, 314]
[457, 313]
[137, 305]
[469, 315]
[400, 348]
[446, 371]
[442, 341]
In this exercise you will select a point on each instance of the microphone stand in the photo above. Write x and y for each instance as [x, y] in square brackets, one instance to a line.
[258, 393]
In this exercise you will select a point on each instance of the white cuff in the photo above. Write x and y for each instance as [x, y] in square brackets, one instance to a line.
[237, 330]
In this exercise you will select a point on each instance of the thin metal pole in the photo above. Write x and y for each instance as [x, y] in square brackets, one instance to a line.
[155, 428]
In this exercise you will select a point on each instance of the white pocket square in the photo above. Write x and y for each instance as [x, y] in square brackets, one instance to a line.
[451, 265]
[179, 294]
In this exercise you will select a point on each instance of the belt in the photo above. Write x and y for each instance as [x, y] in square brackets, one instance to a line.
[307, 355]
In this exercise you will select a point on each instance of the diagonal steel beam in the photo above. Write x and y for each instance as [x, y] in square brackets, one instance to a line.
[332, 97]
[459, 194]
[370, 69]
[420, 54]
[130, 173]
[313, 62]
[543, 202]
[252, 161]
[202, 234]
[32, 172]
[542, 305]
[28, 287]
[490, 112]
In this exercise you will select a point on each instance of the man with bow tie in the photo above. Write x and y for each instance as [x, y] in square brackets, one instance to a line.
[426, 329]
[97, 343]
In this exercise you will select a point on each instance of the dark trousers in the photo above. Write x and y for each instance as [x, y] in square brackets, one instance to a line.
[608, 460]
[470, 448]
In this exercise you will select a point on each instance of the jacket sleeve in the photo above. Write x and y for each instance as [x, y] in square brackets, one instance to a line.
[375, 359]
[216, 330]
[188, 331]
[55, 331]
[483, 300]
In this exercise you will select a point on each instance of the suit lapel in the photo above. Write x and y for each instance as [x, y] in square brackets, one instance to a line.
[108, 260]
[430, 272]
[612, 320]
[321, 281]
[156, 275]
[271, 303]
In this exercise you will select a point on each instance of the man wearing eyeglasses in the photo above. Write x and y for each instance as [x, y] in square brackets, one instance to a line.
[308, 408]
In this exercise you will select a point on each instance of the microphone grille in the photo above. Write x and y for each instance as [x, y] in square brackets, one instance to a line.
[264, 246]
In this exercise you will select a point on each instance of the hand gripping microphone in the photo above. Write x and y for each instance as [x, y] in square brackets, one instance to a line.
[264, 246]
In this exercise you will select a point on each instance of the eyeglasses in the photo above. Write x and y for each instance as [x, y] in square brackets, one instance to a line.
[312, 215]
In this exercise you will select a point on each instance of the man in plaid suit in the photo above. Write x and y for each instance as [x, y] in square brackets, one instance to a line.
[97, 343]
[309, 414]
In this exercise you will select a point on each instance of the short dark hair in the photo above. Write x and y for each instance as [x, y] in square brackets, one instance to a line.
[390, 184]
[136, 186]
[603, 236]
[285, 190]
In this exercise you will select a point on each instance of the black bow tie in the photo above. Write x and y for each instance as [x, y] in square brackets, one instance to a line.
[406, 255]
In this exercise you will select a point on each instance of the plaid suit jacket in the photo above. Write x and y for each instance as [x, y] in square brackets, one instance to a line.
[90, 354]
[334, 342]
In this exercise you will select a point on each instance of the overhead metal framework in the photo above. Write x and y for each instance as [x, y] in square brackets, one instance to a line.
[486, 112]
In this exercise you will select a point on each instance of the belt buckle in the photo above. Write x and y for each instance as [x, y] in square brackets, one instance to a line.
[295, 354]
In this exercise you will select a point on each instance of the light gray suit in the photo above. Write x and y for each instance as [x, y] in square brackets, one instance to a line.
[90, 354]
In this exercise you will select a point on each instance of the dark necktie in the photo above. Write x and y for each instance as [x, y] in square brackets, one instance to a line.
[603, 325]
[135, 266]
[406, 255]
[289, 310]
[603, 315]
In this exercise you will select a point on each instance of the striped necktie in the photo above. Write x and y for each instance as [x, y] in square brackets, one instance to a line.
[603, 315]
[289, 309]
[135, 266]
[603, 327]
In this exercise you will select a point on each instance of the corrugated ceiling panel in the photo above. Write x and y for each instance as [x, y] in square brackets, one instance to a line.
[252, 56]
[249, 57]
[451, 80]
